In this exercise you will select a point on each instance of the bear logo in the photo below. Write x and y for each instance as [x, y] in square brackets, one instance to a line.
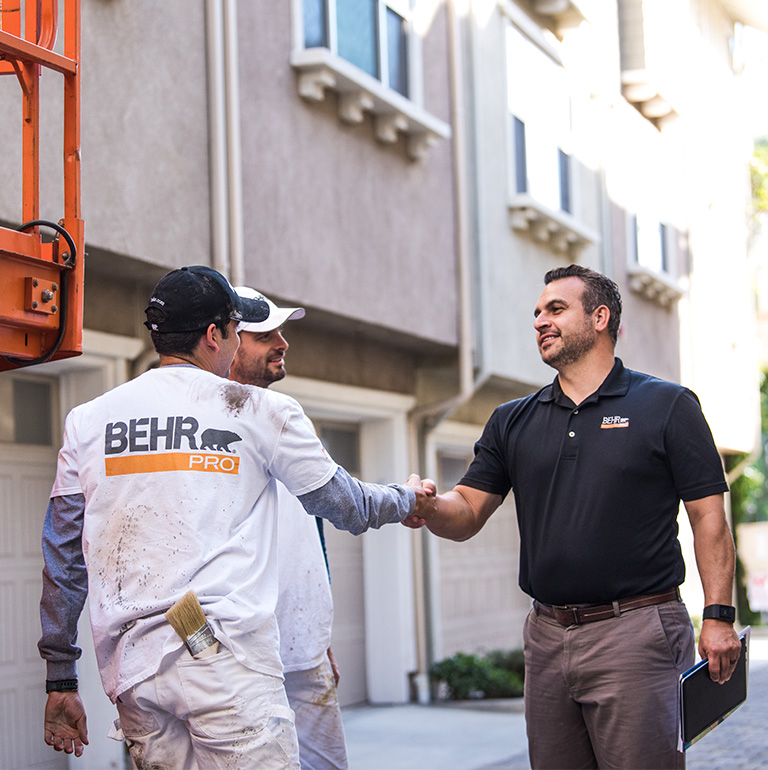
[218, 440]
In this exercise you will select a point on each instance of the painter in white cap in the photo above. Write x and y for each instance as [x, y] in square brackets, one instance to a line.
[304, 608]
[261, 358]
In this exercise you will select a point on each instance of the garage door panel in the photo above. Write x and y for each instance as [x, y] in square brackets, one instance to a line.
[25, 486]
[7, 627]
[481, 606]
[345, 559]
[8, 517]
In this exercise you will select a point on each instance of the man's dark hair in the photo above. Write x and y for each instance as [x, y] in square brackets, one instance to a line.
[180, 343]
[598, 290]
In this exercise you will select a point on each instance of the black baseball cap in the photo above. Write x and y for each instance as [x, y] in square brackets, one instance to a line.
[192, 298]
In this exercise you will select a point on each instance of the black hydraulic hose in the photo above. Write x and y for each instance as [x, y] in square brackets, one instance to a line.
[66, 267]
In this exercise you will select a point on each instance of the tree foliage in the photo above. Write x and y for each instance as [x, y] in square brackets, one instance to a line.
[759, 178]
[749, 502]
[749, 495]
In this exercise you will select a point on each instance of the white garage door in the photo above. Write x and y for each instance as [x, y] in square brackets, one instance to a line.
[345, 559]
[481, 606]
[27, 467]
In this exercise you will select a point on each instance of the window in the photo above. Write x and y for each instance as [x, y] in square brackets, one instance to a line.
[565, 180]
[650, 243]
[371, 34]
[521, 167]
[651, 268]
[29, 419]
[540, 106]
[342, 441]
[368, 52]
[665, 266]
[541, 202]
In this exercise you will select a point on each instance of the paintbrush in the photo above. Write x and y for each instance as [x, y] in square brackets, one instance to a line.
[188, 621]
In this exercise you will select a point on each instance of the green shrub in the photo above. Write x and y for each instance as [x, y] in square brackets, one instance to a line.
[509, 660]
[468, 676]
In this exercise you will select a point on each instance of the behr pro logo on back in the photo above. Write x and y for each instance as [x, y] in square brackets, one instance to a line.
[149, 445]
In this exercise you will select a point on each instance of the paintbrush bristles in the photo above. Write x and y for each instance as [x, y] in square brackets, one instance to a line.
[186, 616]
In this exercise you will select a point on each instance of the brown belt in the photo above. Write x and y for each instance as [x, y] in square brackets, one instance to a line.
[576, 615]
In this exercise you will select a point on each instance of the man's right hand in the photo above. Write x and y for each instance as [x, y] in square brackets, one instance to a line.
[65, 724]
[425, 507]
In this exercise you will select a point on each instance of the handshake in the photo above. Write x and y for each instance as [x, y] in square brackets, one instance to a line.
[426, 501]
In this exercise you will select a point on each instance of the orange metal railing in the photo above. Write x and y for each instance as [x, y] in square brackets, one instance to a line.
[41, 282]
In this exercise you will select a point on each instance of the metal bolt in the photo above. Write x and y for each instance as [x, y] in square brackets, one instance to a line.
[54, 308]
[46, 296]
[55, 287]
[34, 304]
[35, 282]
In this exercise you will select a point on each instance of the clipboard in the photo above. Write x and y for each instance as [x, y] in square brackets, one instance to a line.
[704, 704]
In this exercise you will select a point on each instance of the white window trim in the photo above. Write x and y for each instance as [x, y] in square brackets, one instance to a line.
[566, 14]
[659, 287]
[542, 38]
[359, 93]
[557, 229]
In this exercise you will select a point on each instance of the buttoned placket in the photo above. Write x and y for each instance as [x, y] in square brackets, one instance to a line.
[572, 435]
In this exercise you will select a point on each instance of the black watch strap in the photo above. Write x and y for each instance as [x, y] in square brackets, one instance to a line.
[720, 612]
[61, 685]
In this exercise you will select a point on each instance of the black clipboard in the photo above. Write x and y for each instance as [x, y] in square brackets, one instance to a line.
[704, 704]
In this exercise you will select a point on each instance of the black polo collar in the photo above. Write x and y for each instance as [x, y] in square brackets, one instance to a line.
[615, 384]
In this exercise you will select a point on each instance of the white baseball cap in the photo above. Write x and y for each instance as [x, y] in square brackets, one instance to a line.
[277, 315]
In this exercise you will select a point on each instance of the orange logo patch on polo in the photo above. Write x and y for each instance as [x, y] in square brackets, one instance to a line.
[615, 422]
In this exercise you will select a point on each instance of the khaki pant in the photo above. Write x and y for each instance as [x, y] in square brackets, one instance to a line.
[605, 694]
[312, 696]
[208, 714]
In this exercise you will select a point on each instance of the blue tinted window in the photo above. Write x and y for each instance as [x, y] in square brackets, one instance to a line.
[315, 24]
[564, 163]
[521, 166]
[357, 33]
[396, 52]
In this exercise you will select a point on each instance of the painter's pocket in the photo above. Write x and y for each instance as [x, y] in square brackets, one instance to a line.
[223, 697]
[135, 722]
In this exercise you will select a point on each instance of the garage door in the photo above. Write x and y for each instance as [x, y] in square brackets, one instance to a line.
[345, 559]
[481, 606]
[27, 463]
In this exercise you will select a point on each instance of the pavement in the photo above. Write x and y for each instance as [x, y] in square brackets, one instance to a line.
[490, 735]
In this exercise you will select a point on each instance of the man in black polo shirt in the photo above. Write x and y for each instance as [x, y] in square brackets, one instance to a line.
[598, 462]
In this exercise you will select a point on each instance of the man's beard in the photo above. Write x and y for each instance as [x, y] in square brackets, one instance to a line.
[574, 346]
[270, 375]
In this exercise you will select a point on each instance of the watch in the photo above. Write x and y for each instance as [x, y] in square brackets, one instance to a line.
[61, 685]
[719, 612]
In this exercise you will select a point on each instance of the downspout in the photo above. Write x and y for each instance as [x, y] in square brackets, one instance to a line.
[424, 419]
[214, 25]
[234, 151]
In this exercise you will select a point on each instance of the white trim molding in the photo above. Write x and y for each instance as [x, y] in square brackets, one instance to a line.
[557, 229]
[658, 287]
[359, 93]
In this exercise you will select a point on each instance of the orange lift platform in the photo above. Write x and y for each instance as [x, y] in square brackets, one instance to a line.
[41, 281]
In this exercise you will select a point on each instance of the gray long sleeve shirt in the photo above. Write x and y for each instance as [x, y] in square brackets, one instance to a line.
[349, 504]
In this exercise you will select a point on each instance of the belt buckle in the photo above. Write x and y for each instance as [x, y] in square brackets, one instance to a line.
[565, 610]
